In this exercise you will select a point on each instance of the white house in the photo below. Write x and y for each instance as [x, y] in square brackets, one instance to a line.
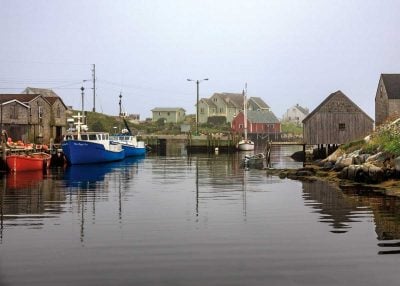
[295, 114]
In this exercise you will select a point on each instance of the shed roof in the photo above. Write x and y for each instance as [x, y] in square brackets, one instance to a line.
[392, 85]
[261, 117]
[24, 98]
[335, 94]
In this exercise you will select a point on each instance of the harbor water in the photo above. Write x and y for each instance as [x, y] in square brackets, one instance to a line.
[198, 219]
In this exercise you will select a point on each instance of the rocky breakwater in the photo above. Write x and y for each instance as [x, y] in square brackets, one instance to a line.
[363, 168]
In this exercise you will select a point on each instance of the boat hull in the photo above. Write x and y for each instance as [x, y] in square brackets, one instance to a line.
[34, 162]
[86, 152]
[246, 145]
[131, 151]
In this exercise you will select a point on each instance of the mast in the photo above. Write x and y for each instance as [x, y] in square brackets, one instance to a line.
[245, 112]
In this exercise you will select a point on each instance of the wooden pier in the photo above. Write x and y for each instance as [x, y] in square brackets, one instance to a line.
[194, 143]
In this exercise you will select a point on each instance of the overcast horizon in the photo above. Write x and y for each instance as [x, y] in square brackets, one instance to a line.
[288, 52]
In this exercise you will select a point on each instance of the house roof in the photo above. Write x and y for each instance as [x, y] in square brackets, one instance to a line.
[392, 85]
[261, 117]
[208, 101]
[232, 99]
[43, 91]
[335, 94]
[302, 109]
[171, 109]
[259, 102]
[24, 98]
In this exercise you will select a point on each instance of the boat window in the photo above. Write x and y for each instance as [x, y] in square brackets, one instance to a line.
[76, 137]
[92, 136]
[105, 136]
[84, 137]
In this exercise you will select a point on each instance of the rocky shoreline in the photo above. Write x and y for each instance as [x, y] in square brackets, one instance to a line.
[373, 172]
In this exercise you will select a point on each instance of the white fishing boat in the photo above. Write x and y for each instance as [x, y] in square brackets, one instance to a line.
[245, 144]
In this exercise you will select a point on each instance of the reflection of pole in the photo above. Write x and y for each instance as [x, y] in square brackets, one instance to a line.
[120, 200]
[197, 187]
[2, 207]
[244, 192]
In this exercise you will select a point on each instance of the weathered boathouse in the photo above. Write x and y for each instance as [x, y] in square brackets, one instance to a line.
[337, 120]
[387, 99]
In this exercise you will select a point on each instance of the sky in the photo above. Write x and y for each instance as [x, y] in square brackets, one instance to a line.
[288, 52]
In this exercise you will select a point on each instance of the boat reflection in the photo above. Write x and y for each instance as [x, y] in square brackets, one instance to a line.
[22, 180]
[89, 174]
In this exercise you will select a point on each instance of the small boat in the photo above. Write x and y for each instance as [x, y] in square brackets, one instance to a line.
[257, 161]
[28, 162]
[245, 144]
[90, 147]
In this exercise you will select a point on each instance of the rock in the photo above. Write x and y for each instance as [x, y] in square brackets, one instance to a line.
[328, 165]
[351, 172]
[397, 164]
[347, 161]
[344, 173]
[375, 174]
[378, 159]
[334, 156]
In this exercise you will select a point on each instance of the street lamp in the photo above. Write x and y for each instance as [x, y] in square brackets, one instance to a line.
[197, 102]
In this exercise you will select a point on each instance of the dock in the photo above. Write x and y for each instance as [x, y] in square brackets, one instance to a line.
[194, 143]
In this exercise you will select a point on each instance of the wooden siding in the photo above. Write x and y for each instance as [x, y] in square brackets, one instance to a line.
[337, 120]
[323, 128]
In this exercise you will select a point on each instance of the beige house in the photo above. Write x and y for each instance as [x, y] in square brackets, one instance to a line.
[227, 105]
[169, 114]
[387, 99]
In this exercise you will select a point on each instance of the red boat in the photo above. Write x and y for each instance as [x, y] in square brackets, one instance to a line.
[28, 162]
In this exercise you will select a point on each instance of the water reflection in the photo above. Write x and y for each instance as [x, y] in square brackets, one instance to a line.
[341, 208]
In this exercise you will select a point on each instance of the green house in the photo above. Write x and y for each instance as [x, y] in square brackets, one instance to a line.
[169, 114]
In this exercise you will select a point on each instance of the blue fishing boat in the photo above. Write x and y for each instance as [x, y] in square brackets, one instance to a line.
[129, 143]
[90, 147]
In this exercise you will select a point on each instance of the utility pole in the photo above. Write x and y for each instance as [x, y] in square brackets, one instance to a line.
[94, 87]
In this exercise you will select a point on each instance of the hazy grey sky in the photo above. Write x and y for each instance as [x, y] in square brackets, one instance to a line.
[288, 52]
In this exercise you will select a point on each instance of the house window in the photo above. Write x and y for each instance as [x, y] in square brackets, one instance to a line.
[168, 113]
[221, 110]
[58, 112]
[159, 113]
[202, 110]
[342, 126]
[240, 126]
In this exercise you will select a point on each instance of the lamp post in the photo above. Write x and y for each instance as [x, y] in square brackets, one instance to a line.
[197, 102]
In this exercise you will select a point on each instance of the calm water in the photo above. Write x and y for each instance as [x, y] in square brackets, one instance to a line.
[192, 220]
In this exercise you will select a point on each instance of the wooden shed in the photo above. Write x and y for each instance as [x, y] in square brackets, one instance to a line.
[337, 120]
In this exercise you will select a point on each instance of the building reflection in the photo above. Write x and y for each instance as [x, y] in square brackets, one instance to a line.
[340, 208]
